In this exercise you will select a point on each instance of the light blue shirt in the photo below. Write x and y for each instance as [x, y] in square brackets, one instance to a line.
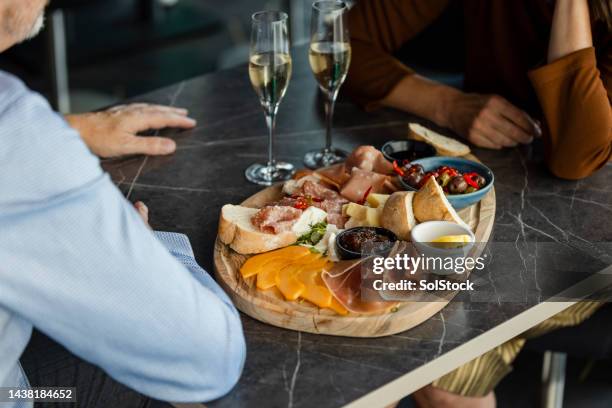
[78, 263]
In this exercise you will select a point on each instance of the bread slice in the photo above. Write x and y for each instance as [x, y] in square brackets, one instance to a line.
[397, 214]
[237, 231]
[445, 146]
[430, 204]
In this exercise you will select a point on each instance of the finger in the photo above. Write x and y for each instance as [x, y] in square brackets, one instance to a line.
[143, 211]
[516, 115]
[146, 120]
[151, 108]
[171, 109]
[509, 130]
[484, 124]
[153, 146]
[126, 107]
[482, 140]
[538, 125]
[500, 138]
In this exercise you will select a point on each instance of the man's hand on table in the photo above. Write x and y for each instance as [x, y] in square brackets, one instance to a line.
[114, 132]
[143, 211]
[489, 121]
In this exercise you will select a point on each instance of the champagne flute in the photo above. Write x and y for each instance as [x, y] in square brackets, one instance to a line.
[330, 57]
[270, 72]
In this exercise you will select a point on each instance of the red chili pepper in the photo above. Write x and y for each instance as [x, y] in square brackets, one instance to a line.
[317, 199]
[365, 196]
[398, 169]
[301, 204]
[471, 179]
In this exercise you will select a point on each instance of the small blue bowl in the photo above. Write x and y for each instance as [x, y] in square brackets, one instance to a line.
[458, 201]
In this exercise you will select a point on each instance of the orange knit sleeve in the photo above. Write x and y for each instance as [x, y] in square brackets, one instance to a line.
[574, 97]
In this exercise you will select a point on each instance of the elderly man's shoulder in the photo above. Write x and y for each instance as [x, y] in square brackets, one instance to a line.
[40, 155]
[11, 88]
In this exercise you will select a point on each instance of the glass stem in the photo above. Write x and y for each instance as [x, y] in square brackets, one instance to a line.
[271, 122]
[330, 104]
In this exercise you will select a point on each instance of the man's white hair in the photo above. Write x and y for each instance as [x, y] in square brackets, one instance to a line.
[37, 27]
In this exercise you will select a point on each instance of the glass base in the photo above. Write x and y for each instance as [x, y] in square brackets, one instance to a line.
[322, 158]
[265, 175]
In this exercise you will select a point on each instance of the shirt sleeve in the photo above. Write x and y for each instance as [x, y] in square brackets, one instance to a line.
[378, 29]
[81, 266]
[578, 121]
[178, 245]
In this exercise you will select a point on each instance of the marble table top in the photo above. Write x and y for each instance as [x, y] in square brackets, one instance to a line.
[185, 192]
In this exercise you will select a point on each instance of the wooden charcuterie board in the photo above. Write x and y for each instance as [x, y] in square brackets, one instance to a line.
[270, 306]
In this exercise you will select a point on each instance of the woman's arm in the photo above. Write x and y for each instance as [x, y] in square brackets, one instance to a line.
[571, 29]
[378, 29]
[377, 78]
[574, 100]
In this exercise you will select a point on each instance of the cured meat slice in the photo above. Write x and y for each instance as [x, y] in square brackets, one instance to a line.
[369, 158]
[310, 188]
[360, 182]
[337, 219]
[328, 200]
[344, 282]
[335, 175]
[276, 218]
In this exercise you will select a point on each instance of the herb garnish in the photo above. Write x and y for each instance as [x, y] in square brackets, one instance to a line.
[312, 237]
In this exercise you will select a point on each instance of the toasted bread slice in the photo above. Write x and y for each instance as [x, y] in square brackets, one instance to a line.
[430, 204]
[445, 146]
[237, 231]
[397, 214]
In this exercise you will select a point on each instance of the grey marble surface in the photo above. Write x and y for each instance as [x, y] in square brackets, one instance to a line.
[185, 192]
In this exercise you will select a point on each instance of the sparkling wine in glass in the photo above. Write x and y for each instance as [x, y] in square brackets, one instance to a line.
[270, 72]
[329, 56]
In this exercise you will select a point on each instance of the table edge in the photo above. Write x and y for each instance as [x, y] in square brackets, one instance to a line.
[425, 374]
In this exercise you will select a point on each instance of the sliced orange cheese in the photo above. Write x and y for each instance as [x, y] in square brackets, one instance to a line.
[266, 278]
[290, 287]
[296, 272]
[319, 295]
[254, 264]
[337, 307]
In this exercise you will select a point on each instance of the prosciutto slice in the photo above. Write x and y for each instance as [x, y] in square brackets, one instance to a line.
[369, 158]
[344, 282]
[360, 182]
[335, 175]
[276, 218]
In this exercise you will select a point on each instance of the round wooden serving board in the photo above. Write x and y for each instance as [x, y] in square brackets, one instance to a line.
[270, 307]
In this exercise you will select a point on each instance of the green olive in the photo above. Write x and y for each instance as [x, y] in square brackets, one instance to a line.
[444, 179]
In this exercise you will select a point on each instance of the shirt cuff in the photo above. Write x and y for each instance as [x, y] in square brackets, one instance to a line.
[176, 244]
[563, 66]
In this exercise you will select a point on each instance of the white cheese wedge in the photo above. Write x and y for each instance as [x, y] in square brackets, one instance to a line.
[310, 216]
[328, 242]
